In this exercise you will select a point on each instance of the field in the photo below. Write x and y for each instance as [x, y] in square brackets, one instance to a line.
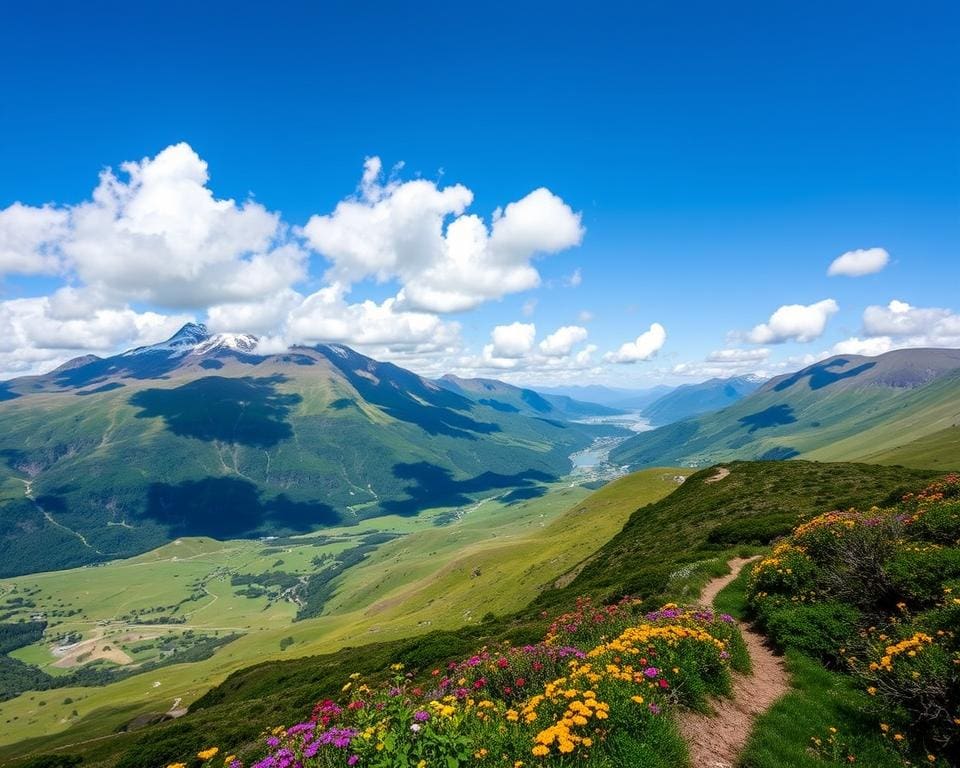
[446, 570]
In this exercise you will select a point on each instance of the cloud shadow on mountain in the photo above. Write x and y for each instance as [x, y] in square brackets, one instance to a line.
[247, 410]
[224, 507]
[433, 486]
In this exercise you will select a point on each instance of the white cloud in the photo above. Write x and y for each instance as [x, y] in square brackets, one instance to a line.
[156, 233]
[325, 316]
[398, 230]
[794, 322]
[529, 307]
[734, 356]
[857, 346]
[575, 279]
[863, 261]
[39, 333]
[723, 363]
[512, 341]
[900, 319]
[899, 325]
[562, 341]
[585, 316]
[645, 346]
[28, 238]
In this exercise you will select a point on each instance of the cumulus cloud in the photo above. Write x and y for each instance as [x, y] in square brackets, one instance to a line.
[156, 233]
[645, 346]
[395, 230]
[899, 319]
[514, 348]
[42, 332]
[562, 341]
[28, 239]
[794, 322]
[898, 325]
[857, 346]
[512, 341]
[863, 261]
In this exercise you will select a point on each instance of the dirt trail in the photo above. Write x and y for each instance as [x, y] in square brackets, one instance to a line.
[716, 477]
[716, 740]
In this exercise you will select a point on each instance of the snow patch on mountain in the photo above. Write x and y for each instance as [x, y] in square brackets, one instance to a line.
[195, 339]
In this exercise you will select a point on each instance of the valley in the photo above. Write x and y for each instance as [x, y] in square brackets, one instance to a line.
[442, 569]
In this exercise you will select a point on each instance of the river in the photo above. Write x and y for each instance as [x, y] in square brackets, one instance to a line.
[593, 463]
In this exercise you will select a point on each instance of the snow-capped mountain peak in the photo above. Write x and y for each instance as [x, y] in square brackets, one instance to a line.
[239, 342]
[195, 339]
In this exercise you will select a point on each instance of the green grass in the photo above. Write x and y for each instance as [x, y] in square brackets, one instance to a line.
[818, 700]
[939, 450]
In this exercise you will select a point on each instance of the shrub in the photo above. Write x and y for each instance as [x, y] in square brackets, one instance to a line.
[819, 629]
[918, 572]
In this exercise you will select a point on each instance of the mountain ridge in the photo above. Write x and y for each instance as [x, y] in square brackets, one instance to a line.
[839, 408]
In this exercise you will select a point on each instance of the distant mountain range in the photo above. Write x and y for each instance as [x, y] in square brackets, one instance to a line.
[693, 399]
[664, 404]
[614, 397]
[901, 406]
[199, 435]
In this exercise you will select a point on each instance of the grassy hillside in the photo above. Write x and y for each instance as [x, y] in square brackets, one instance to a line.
[844, 408]
[940, 450]
[666, 550]
[114, 457]
[447, 570]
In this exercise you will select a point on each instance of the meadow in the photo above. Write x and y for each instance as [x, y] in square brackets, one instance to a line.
[446, 568]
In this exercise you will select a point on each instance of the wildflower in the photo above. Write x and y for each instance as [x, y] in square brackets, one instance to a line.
[541, 751]
[421, 716]
[206, 754]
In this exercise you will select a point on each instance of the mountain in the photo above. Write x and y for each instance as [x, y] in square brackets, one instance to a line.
[506, 397]
[614, 397]
[848, 407]
[200, 435]
[694, 399]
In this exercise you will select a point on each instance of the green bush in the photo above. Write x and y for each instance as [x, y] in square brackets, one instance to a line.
[819, 629]
[919, 572]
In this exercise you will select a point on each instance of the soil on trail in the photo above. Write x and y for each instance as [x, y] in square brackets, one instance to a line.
[716, 740]
[721, 473]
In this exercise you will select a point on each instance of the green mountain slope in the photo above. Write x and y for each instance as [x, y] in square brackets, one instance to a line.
[110, 457]
[939, 450]
[694, 399]
[842, 408]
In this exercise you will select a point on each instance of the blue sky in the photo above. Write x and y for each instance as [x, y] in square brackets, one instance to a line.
[720, 157]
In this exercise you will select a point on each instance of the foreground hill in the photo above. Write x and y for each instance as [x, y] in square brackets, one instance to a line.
[844, 408]
[665, 551]
[104, 458]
